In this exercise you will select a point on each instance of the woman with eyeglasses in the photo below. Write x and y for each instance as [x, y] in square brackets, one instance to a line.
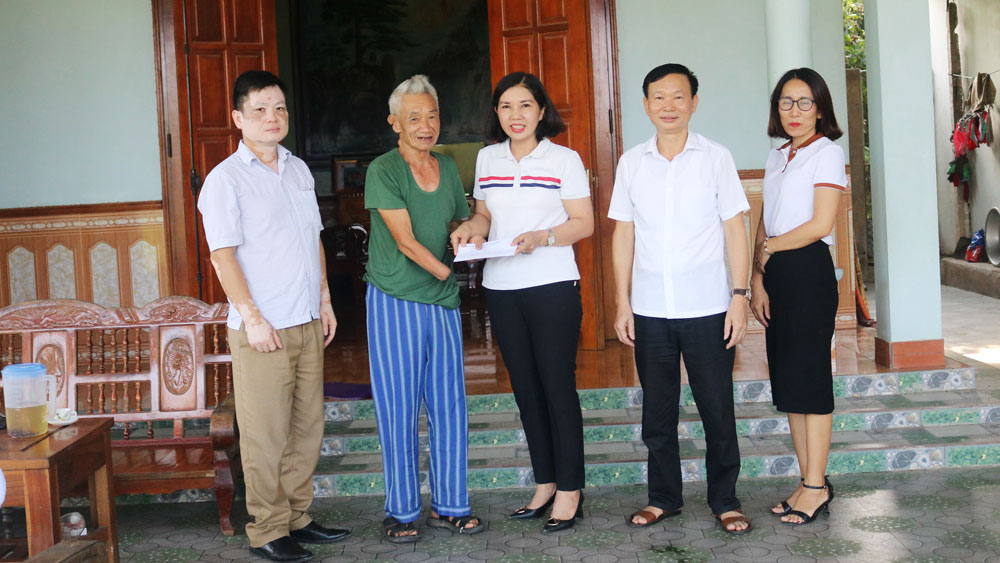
[793, 286]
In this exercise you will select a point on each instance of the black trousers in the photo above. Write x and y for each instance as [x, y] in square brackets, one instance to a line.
[537, 329]
[659, 344]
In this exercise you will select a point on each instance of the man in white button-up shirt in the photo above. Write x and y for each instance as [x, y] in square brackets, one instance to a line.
[679, 206]
[262, 225]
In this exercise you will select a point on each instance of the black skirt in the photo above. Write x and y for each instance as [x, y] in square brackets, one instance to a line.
[802, 288]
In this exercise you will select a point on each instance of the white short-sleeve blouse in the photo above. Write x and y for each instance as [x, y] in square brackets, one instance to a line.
[792, 175]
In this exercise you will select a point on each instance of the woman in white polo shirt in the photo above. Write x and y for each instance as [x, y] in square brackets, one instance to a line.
[535, 193]
[793, 287]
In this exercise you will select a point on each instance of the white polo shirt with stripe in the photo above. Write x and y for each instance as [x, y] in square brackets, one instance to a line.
[792, 175]
[679, 269]
[272, 218]
[527, 196]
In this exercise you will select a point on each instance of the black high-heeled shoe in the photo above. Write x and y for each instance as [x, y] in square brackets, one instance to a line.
[785, 507]
[525, 513]
[555, 525]
[807, 518]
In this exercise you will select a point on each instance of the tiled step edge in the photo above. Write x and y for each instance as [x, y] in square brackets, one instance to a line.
[743, 392]
[630, 473]
[845, 422]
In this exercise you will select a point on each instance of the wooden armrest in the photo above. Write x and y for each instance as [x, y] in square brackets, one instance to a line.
[222, 425]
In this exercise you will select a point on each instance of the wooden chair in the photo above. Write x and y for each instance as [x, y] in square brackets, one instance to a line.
[161, 371]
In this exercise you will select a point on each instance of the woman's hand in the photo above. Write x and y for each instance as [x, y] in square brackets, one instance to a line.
[760, 303]
[760, 258]
[462, 235]
[529, 241]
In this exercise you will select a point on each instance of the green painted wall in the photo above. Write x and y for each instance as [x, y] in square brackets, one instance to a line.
[724, 43]
[79, 95]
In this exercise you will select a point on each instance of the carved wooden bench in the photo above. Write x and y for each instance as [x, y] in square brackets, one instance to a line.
[160, 371]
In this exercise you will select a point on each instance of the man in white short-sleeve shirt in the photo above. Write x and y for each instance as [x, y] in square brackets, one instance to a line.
[679, 206]
[262, 225]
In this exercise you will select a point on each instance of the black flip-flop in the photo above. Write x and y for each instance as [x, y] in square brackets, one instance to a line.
[392, 529]
[456, 524]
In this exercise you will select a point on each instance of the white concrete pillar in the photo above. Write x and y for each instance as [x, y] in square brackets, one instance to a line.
[788, 26]
[904, 184]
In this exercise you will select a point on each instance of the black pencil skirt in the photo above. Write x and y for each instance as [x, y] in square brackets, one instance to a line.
[802, 288]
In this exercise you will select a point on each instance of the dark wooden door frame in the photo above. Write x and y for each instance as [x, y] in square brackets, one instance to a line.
[607, 148]
[175, 149]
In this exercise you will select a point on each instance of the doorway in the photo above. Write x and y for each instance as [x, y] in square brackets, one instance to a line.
[204, 44]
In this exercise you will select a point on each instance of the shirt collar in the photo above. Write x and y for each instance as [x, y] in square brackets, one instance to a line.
[539, 152]
[795, 150]
[694, 142]
[808, 142]
[247, 156]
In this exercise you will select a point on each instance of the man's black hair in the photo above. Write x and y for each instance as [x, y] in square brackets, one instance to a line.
[669, 68]
[252, 81]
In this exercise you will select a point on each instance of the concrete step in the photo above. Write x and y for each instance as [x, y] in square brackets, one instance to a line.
[914, 410]
[744, 392]
[623, 462]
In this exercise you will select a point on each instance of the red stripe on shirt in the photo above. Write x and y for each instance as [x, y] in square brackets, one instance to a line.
[834, 186]
[489, 178]
[542, 178]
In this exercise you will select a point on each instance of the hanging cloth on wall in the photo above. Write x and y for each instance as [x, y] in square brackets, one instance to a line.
[959, 173]
[982, 92]
[973, 129]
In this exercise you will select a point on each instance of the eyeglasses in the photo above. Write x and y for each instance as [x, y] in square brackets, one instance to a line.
[805, 104]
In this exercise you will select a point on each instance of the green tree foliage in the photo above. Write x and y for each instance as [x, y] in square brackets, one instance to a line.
[854, 33]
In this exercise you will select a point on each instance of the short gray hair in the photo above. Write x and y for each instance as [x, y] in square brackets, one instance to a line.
[416, 84]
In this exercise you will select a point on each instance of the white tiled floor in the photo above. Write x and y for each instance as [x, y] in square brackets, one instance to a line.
[970, 323]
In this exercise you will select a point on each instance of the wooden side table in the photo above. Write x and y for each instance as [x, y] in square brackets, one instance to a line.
[41, 469]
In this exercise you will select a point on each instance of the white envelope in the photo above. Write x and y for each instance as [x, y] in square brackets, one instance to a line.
[491, 249]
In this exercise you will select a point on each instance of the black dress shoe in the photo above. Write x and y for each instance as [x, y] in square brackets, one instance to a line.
[282, 549]
[525, 513]
[314, 533]
[555, 525]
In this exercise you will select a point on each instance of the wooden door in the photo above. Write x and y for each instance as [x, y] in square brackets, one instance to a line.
[565, 43]
[204, 45]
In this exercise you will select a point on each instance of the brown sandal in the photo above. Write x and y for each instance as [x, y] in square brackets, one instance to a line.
[725, 522]
[650, 517]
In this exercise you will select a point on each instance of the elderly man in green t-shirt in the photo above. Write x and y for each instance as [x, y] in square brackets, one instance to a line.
[414, 330]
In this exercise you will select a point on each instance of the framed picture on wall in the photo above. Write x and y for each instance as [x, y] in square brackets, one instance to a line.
[349, 172]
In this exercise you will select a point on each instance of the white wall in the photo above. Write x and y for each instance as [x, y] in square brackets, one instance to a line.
[723, 43]
[828, 58]
[951, 208]
[79, 122]
[979, 45]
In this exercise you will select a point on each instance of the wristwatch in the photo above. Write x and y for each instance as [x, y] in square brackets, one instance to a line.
[552, 238]
[741, 291]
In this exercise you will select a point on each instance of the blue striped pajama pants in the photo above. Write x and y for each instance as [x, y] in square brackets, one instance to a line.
[415, 356]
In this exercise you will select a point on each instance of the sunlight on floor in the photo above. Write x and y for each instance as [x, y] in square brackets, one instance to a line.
[989, 354]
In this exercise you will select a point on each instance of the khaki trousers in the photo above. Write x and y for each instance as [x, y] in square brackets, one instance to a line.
[279, 409]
